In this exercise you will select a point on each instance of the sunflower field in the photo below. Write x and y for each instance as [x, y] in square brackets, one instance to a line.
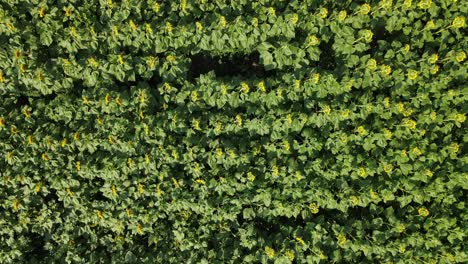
[233, 131]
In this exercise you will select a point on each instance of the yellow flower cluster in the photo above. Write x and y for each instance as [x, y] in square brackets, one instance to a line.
[294, 19]
[174, 154]
[289, 119]
[272, 11]
[402, 249]
[222, 21]
[326, 109]
[130, 162]
[16, 204]
[218, 127]
[345, 113]
[412, 74]
[219, 152]
[386, 3]
[250, 176]
[245, 87]
[286, 145]
[224, 89]
[407, 3]
[423, 212]
[323, 12]
[341, 239]
[312, 40]
[200, 181]
[361, 131]
[300, 241]
[289, 254]
[371, 64]
[254, 22]
[388, 168]
[362, 172]
[460, 118]
[386, 70]
[151, 62]
[196, 124]
[428, 173]
[45, 157]
[27, 113]
[430, 25]
[425, 4]
[261, 86]
[270, 252]
[41, 12]
[114, 190]
[63, 143]
[365, 9]
[199, 26]
[297, 84]
[120, 59]
[316, 78]
[406, 48]
[239, 120]
[148, 28]
[416, 151]
[168, 27]
[279, 93]
[39, 75]
[194, 96]
[454, 148]
[38, 187]
[275, 170]
[342, 15]
[401, 228]
[458, 22]
[367, 35]
[132, 25]
[433, 58]
[68, 11]
[183, 5]
[314, 208]
[461, 56]
[17, 54]
[170, 58]
[411, 124]
[388, 134]
[407, 112]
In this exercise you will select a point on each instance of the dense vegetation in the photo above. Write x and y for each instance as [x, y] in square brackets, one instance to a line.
[200, 131]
